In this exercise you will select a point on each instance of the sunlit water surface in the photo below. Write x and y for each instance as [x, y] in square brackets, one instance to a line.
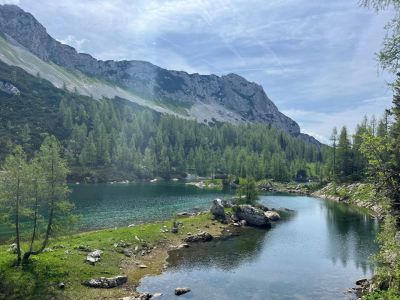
[317, 253]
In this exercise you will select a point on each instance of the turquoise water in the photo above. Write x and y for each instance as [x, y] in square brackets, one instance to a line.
[113, 205]
[318, 252]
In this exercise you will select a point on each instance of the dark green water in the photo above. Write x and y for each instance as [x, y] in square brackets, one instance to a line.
[317, 253]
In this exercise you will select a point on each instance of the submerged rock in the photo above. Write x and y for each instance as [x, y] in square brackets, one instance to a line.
[253, 216]
[106, 283]
[199, 237]
[181, 291]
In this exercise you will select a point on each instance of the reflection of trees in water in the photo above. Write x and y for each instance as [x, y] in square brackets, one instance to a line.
[226, 254]
[351, 234]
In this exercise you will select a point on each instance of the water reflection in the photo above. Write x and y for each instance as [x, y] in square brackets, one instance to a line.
[350, 234]
[225, 254]
[316, 253]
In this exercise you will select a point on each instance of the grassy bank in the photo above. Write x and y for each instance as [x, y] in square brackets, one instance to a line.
[40, 279]
[359, 194]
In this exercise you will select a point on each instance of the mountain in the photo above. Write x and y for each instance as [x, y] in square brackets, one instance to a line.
[207, 98]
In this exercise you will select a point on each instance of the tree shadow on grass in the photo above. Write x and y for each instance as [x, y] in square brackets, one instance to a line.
[36, 280]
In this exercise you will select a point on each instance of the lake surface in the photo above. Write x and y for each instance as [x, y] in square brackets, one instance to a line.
[114, 205]
[318, 252]
[110, 205]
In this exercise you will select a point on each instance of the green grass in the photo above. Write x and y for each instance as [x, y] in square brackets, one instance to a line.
[215, 184]
[39, 279]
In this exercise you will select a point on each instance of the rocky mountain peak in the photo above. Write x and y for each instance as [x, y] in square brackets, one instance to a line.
[207, 98]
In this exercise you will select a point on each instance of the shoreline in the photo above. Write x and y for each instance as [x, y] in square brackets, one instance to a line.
[150, 242]
[360, 195]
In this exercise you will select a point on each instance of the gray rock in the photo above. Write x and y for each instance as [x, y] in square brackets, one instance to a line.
[181, 291]
[199, 237]
[272, 215]
[128, 252]
[141, 296]
[226, 203]
[122, 244]
[253, 216]
[94, 257]
[106, 283]
[13, 248]
[8, 88]
[183, 214]
[217, 209]
[83, 248]
[181, 246]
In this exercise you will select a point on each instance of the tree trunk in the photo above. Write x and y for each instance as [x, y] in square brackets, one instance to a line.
[27, 254]
[17, 222]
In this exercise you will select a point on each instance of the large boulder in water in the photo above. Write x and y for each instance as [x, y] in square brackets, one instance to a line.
[253, 216]
[272, 215]
[217, 209]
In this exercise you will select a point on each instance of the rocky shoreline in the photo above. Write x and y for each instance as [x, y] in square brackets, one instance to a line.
[224, 216]
[350, 196]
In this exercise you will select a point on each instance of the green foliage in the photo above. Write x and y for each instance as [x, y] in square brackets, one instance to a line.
[39, 279]
[118, 138]
[247, 192]
[32, 190]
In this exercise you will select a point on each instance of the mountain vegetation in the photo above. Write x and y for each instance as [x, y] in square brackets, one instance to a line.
[373, 155]
[114, 139]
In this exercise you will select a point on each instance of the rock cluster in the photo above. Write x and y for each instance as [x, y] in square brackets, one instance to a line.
[252, 215]
[106, 283]
[94, 257]
[199, 237]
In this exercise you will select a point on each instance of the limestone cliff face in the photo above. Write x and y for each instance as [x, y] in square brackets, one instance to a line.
[207, 98]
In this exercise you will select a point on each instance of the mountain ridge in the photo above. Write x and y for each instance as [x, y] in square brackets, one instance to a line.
[207, 98]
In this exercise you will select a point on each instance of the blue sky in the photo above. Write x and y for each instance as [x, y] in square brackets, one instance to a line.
[314, 58]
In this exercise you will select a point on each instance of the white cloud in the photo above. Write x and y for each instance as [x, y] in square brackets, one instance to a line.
[310, 56]
[9, 2]
[320, 124]
[74, 42]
